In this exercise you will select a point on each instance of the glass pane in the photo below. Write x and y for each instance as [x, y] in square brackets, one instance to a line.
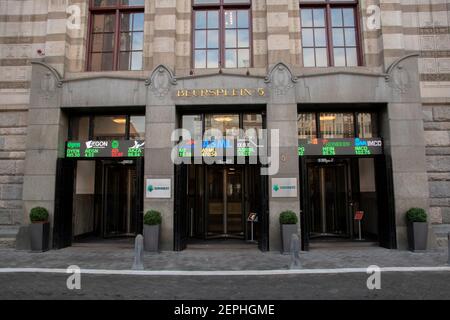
[103, 23]
[321, 57]
[193, 123]
[319, 37]
[306, 17]
[104, 3]
[243, 58]
[126, 22]
[206, 1]
[124, 60]
[352, 57]
[336, 125]
[308, 58]
[96, 61]
[213, 58]
[213, 19]
[136, 61]
[306, 125]
[132, 2]
[367, 127]
[138, 38]
[107, 61]
[307, 38]
[243, 40]
[349, 17]
[213, 39]
[109, 127]
[200, 39]
[336, 17]
[79, 128]
[236, 1]
[200, 20]
[110, 23]
[200, 59]
[102, 42]
[319, 17]
[125, 41]
[338, 37]
[242, 18]
[230, 38]
[230, 19]
[339, 57]
[138, 22]
[350, 40]
[252, 121]
[226, 123]
[137, 127]
[230, 59]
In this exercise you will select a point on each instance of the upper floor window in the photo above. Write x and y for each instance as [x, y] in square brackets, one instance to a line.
[116, 35]
[222, 30]
[329, 33]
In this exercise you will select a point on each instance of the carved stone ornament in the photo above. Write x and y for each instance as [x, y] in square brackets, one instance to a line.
[280, 79]
[160, 81]
[400, 79]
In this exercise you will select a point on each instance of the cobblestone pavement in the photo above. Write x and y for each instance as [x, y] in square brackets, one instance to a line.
[120, 258]
[394, 286]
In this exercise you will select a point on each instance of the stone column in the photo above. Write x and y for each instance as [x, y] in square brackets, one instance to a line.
[47, 131]
[282, 115]
[405, 143]
[160, 122]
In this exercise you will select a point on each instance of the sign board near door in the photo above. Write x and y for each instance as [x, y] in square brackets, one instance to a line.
[284, 187]
[158, 188]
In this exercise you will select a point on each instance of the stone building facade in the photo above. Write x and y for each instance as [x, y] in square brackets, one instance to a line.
[43, 67]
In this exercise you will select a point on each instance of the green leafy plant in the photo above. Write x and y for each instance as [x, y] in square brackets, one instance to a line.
[288, 217]
[38, 214]
[416, 215]
[152, 217]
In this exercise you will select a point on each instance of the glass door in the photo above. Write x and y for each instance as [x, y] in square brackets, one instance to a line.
[224, 202]
[329, 212]
[119, 199]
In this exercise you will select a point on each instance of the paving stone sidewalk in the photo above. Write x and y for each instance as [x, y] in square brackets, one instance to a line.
[220, 259]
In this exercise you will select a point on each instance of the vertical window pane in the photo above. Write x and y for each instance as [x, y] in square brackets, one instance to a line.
[321, 57]
[126, 22]
[306, 17]
[193, 123]
[132, 2]
[243, 58]
[136, 60]
[137, 127]
[230, 58]
[243, 40]
[125, 41]
[230, 19]
[200, 59]
[336, 17]
[109, 127]
[242, 16]
[306, 125]
[367, 126]
[230, 38]
[308, 57]
[252, 121]
[307, 38]
[200, 39]
[79, 128]
[124, 60]
[138, 22]
[213, 19]
[349, 17]
[200, 19]
[338, 37]
[107, 61]
[213, 39]
[138, 38]
[213, 58]
[352, 57]
[339, 57]
[319, 37]
[110, 23]
[336, 125]
[319, 17]
[350, 40]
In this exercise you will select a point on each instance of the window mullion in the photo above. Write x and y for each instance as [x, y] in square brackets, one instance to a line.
[329, 29]
[116, 42]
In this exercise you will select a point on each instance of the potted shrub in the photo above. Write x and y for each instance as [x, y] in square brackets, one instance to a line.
[152, 224]
[39, 229]
[288, 225]
[417, 229]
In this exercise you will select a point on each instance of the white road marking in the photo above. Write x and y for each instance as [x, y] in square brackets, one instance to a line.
[223, 272]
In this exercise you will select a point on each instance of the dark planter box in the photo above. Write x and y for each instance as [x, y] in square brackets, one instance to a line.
[39, 236]
[287, 230]
[417, 236]
[151, 237]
